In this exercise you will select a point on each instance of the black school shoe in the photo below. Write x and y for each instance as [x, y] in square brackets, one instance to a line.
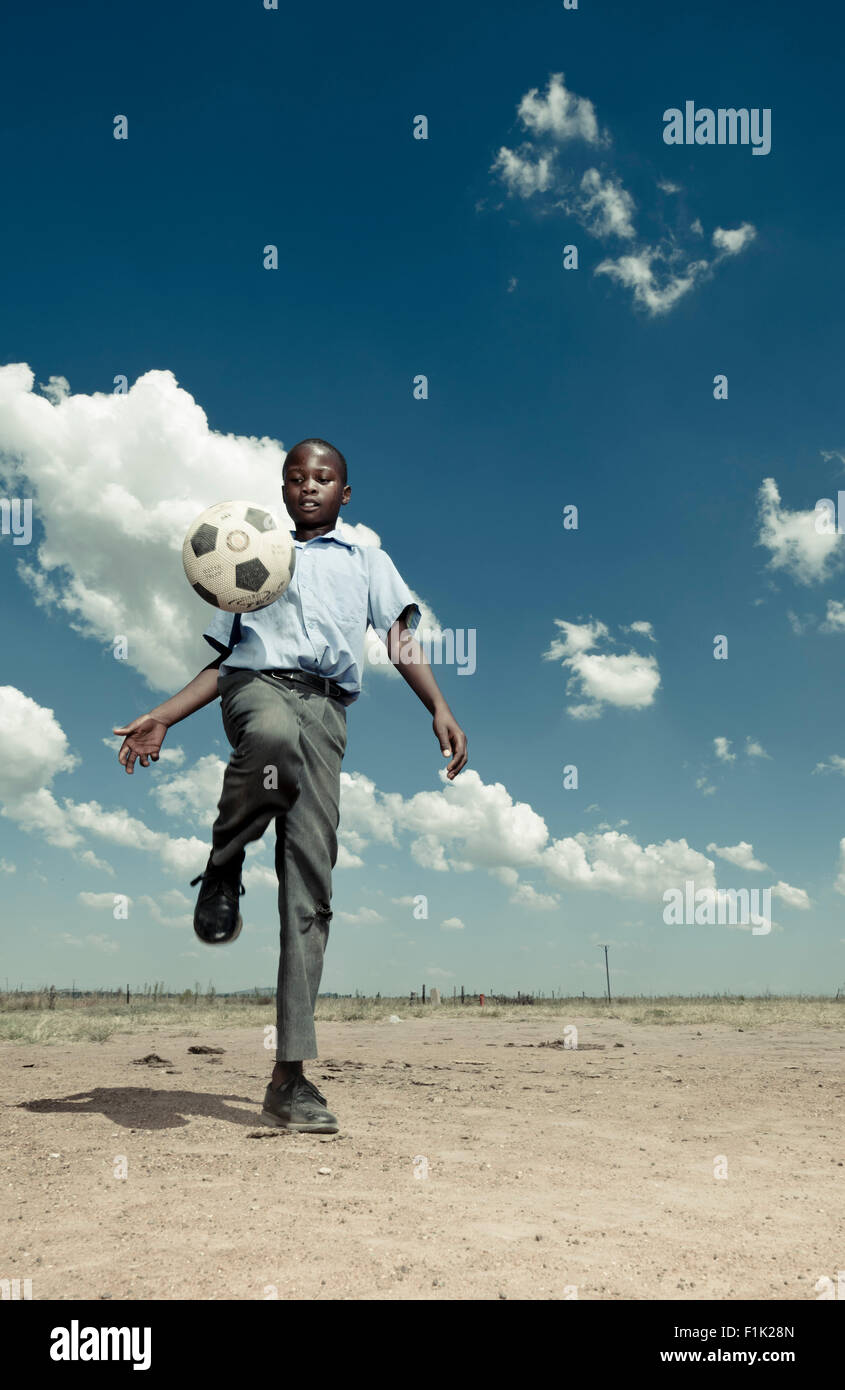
[298, 1105]
[217, 919]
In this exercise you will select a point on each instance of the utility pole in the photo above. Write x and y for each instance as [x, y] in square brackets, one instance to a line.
[606, 971]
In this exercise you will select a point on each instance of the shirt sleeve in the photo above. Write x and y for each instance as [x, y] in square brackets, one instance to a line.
[224, 631]
[389, 595]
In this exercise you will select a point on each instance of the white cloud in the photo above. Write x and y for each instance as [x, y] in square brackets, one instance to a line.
[627, 681]
[471, 824]
[735, 240]
[793, 897]
[365, 916]
[795, 545]
[259, 876]
[33, 745]
[836, 764]
[347, 860]
[183, 856]
[181, 920]
[617, 863]
[643, 628]
[104, 901]
[742, 855]
[657, 292]
[452, 924]
[115, 481]
[6, 868]
[477, 822]
[172, 757]
[659, 276]
[754, 749]
[90, 860]
[560, 113]
[722, 748]
[194, 793]
[526, 895]
[834, 620]
[604, 206]
[522, 175]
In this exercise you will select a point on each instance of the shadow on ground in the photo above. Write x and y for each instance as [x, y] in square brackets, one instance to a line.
[136, 1107]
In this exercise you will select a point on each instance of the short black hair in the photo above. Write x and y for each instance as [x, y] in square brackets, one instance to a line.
[323, 444]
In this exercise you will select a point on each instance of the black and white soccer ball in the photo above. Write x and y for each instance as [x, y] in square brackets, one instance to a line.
[237, 557]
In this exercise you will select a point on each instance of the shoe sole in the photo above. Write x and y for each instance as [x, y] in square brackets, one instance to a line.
[317, 1127]
[229, 939]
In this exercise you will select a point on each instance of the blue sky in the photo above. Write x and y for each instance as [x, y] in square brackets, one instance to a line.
[546, 388]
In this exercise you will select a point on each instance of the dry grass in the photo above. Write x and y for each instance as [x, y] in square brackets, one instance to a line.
[28, 1018]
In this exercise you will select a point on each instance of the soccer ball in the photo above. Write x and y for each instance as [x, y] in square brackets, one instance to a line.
[237, 558]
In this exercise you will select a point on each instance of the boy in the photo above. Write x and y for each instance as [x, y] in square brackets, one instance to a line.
[285, 675]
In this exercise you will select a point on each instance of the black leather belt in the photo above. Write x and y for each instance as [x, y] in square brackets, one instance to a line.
[321, 683]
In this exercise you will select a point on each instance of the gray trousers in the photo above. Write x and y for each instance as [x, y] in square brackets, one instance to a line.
[287, 747]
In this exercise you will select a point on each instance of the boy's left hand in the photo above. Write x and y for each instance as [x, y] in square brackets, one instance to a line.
[452, 739]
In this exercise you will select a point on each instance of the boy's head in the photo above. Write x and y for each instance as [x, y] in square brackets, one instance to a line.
[314, 485]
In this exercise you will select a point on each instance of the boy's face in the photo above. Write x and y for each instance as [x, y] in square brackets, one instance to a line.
[313, 491]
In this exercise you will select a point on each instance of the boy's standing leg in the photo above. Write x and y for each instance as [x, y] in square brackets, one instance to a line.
[306, 851]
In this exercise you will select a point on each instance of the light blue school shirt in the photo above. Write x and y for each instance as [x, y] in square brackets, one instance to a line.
[338, 589]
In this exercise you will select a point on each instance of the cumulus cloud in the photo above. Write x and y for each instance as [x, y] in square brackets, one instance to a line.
[484, 828]
[793, 897]
[521, 174]
[259, 876]
[33, 749]
[33, 745]
[734, 240]
[194, 793]
[617, 863]
[452, 924]
[526, 895]
[722, 747]
[653, 276]
[660, 276]
[116, 480]
[560, 114]
[166, 917]
[755, 749]
[742, 855]
[626, 680]
[793, 542]
[604, 207]
[834, 619]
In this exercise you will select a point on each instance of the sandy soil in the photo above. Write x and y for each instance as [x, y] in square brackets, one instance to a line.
[543, 1170]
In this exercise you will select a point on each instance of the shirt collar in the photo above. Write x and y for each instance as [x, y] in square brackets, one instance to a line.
[333, 535]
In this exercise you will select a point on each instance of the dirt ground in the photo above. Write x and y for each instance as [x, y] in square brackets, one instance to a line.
[472, 1163]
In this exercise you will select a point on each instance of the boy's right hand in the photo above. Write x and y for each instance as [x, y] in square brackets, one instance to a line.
[144, 737]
